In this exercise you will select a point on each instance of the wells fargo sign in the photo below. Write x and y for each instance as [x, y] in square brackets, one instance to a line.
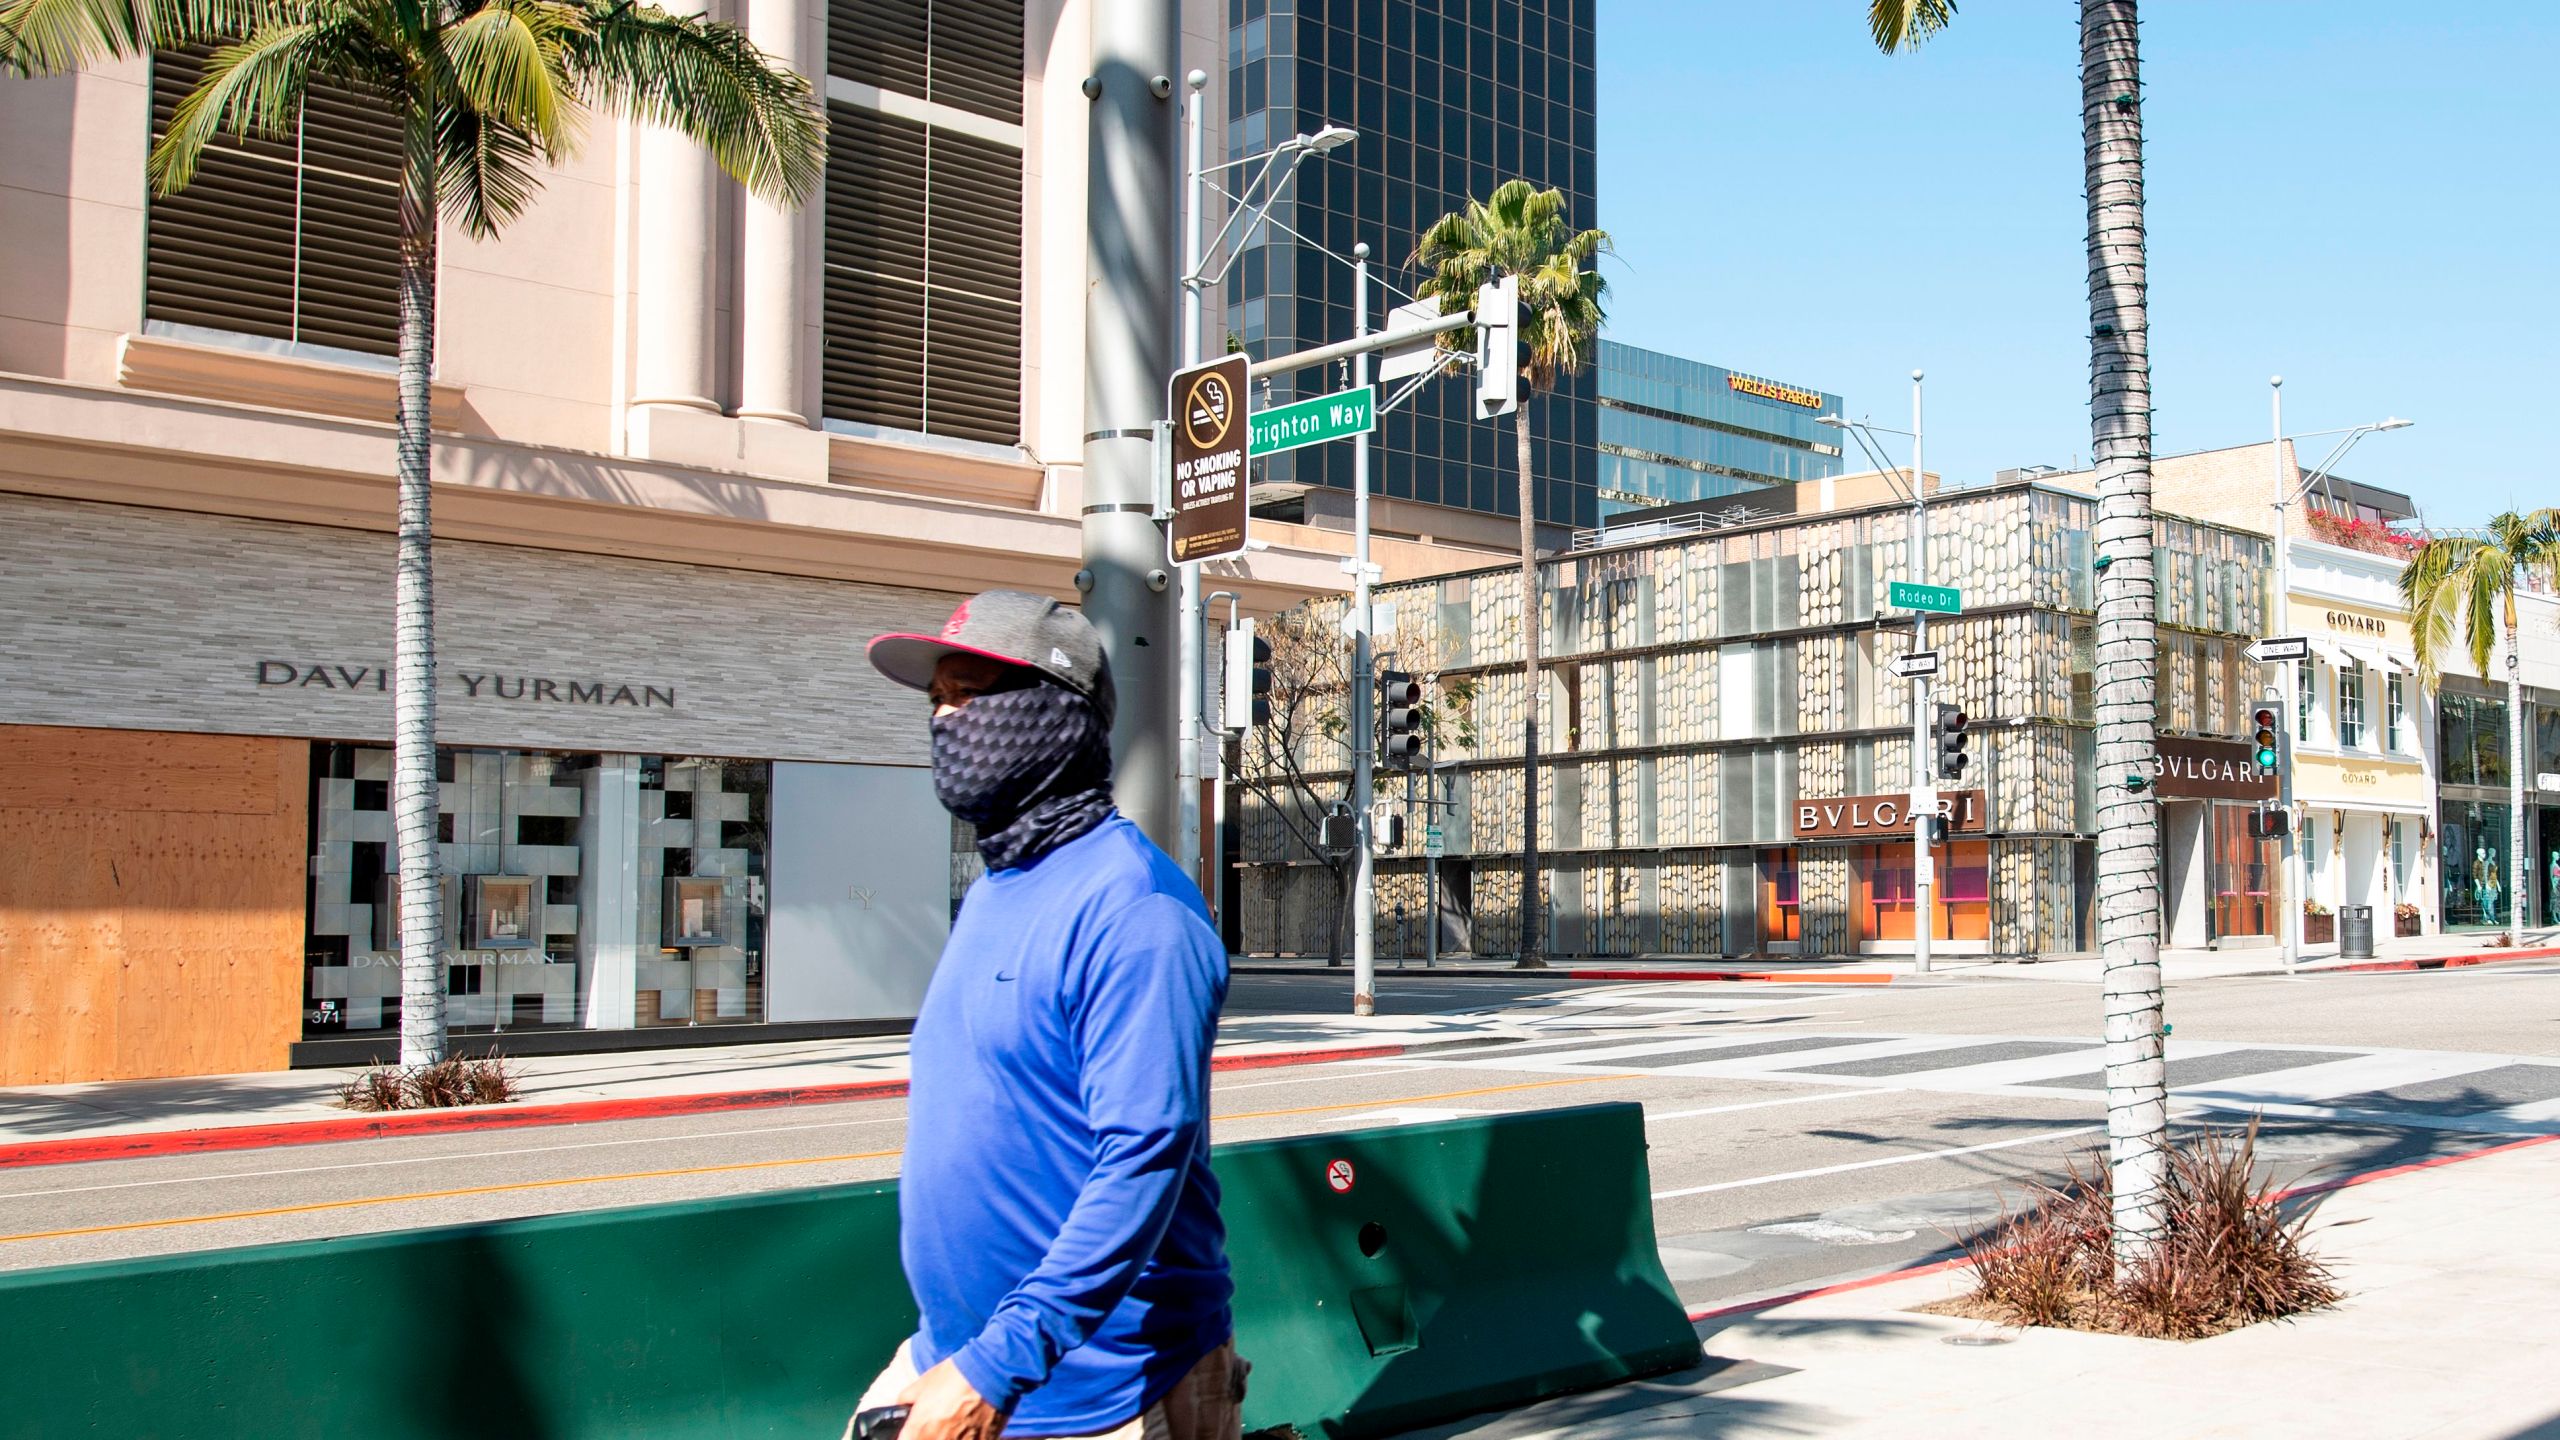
[1772, 390]
[1883, 816]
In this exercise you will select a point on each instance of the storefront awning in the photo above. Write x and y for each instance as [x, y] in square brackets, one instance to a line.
[2329, 650]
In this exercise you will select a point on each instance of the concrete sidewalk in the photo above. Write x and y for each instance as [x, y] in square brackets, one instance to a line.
[631, 1084]
[2452, 1276]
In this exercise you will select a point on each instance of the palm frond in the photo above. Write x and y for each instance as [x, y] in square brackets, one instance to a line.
[762, 123]
[48, 37]
[252, 88]
[487, 172]
[508, 62]
[1906, 24]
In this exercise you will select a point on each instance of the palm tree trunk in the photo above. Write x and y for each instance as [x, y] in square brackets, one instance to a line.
[413, 669]
[2120, 428]
[2516, 872]
[1532, 634]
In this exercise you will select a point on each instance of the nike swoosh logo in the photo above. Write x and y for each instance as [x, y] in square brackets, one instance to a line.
[1000, 975]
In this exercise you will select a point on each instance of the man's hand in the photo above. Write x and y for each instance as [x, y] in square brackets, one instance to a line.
[948, 1408]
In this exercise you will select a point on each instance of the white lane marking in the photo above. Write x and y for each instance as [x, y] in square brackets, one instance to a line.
[1872, 1164]
[542, 1149]
[448, 1159]
[1650, 1117]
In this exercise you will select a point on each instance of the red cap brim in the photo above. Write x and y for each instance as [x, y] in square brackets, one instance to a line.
[910, 659]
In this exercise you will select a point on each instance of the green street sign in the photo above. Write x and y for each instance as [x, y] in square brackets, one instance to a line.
[1433, 846]
[1314, 421]
[1936, 599]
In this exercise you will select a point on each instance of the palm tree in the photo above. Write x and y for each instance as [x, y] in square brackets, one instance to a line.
[2120, 426]
[2462, 588]
[1523, 233]
[488, 92]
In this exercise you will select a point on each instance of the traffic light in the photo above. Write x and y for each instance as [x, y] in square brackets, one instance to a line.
[2267, 721]
[2270, 821]
[1399, 718]
[1248, 678]
[1949, 731]
[1498, 348]
[1340, 832]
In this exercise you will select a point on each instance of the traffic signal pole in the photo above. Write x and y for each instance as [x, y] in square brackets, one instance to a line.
[1924, 753]
[1130, 316]
[1364, 740]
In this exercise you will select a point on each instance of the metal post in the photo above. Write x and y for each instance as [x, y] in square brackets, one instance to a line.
[2289, 903]
[1924, 760]
[1129, 350]
[1364, 741]
[1431, 853]
[1192, 652]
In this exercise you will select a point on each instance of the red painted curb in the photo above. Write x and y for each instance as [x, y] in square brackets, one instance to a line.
[2440, 962]
[1778, 977]
[1915, 1272]
[86, 1149]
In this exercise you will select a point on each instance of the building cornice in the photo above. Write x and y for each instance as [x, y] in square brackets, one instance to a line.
[105, 444]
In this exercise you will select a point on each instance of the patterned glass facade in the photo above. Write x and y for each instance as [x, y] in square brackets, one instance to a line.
[1702, 691]
[1451, 98]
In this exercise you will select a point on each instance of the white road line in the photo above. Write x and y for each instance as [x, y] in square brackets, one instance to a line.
[464, 1155]
[1650, 1117]
[1872, 1164]
[448, 1159]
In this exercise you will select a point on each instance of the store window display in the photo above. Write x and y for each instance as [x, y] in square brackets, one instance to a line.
[2472, 850]
[580, 890]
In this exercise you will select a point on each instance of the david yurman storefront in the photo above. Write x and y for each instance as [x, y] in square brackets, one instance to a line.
[676, 804]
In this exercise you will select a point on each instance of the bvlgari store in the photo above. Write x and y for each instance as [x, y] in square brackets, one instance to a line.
[2220, 883]
[676, 805]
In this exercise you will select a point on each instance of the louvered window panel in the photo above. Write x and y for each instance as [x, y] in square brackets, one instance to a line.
[294, 239]
[875, 268]
[973, 289]
[924, 278]
[963, 53]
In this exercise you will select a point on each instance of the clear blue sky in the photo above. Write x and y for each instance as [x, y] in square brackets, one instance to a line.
[2357, 196]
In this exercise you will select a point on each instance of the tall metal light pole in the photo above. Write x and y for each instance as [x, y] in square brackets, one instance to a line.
[1924, 759]
[1129, 348]
[1364, 740]
[1924, 787]
[1197, 276]
[2287, 488]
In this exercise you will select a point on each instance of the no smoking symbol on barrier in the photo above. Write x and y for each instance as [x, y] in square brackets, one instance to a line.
[1338, 1175]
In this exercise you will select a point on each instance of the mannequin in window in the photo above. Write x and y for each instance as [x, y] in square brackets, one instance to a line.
[2484, 883]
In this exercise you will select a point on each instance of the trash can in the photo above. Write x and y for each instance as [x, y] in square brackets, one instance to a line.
[2355, 932]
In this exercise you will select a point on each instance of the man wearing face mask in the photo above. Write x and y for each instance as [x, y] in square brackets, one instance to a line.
[1058, 1218]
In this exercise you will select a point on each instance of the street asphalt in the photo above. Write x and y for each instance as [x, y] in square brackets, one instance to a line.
[1798, 1132]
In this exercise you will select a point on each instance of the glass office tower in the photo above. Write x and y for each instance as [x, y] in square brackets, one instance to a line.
[1674, 430]
[1451, 98]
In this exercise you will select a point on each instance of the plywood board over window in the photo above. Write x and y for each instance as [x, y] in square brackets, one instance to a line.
[151, 903]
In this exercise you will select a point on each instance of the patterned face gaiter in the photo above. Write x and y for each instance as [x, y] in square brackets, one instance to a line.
[1029, 768]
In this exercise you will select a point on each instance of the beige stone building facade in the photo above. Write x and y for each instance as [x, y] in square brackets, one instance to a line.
[691, 450]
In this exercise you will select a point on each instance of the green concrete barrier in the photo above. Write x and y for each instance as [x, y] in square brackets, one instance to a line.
[1386, 1279]
[1468, 1265]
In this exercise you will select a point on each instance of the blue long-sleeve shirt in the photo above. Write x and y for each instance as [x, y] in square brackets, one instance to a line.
[1059, 1221]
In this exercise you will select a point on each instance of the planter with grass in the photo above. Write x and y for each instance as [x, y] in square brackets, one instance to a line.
[448, 1082]
[2231, 1255]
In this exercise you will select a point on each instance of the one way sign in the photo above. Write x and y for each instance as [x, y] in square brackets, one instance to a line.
[1917, 665]
[2280, 647]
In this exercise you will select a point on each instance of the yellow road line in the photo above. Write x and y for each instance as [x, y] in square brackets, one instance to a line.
[512, 1187]
[320, 1205]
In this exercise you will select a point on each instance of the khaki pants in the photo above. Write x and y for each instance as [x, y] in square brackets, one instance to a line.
[1207, 1404]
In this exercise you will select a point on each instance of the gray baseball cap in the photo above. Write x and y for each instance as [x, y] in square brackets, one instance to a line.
[1012, 626]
